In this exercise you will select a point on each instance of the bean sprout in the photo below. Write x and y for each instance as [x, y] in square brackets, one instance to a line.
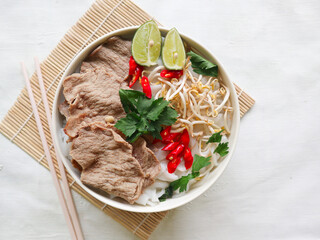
[198, 101]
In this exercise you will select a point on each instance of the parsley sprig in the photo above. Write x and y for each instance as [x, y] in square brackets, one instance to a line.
[203, 66]
[182, 183]
[216, 137]
[222, 149]
[144, 115]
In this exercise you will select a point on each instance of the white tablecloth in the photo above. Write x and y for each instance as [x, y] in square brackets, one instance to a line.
[270, 189]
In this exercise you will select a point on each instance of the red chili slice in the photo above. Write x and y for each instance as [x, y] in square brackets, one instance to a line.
[188, 158]
[188, 164]
[187, 154]
[185, 139]
[165, 132]
[170, 146]
[166, 136]
[170, 138]
[136, 75]
[172, 165]
[171, 73]
[175, 153]
[146, 87]
[132, 66]
[135, 71]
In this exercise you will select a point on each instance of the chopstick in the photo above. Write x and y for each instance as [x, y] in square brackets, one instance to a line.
[47, 154]
[70, 203]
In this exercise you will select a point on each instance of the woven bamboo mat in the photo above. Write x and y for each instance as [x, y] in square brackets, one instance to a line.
[19, 125]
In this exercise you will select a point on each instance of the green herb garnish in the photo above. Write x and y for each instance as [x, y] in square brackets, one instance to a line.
[167, 194]
[216, 137]
[202, 66]
[144, 115]
[199, 163]
[222, 149]
[182, 183]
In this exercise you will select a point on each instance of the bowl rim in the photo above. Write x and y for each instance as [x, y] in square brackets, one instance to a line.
[171, 203]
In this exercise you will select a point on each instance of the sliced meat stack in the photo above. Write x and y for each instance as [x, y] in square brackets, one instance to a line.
[107, 162]
[113, 56]
[148, 161]
[91, 96]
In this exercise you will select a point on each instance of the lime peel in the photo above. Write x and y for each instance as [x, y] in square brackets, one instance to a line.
[146, 44]
[173, 52]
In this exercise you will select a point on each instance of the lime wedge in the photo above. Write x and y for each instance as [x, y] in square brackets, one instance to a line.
[173, 53]
[146, 44]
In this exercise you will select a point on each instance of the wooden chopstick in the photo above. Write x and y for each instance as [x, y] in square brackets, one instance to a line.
[47, 154]
[70, 203]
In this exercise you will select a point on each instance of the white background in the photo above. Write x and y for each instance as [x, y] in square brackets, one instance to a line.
[271, 189]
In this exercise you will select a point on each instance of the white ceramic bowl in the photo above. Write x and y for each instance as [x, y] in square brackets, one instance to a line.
[62, 147]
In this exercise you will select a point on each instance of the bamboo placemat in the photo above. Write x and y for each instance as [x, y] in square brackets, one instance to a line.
[19, 125]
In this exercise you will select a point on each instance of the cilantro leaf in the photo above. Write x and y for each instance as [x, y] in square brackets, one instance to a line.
[167, 194]
[143, 104]
[144, 115]
[134, 136]
[168, 116]
[155, 130]
[182, 183]
[129, 99]
[142, 125]
[216, 137]
[200, 162]
[127, 125]
[157, 108]
[156, 135]
[222, 149]
[202, 66]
